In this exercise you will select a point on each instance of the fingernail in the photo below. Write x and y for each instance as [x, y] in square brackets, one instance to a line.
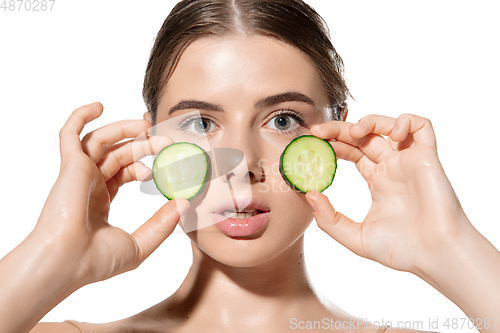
[394, 130]
[144, 174]
[182, 206]
[312, 203]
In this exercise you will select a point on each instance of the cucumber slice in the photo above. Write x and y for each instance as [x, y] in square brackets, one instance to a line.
[308, 163]
[181, 170]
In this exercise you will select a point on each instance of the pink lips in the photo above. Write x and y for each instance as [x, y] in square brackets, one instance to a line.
[242, 227]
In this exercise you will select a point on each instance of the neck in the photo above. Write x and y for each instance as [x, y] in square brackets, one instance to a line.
[261, 293]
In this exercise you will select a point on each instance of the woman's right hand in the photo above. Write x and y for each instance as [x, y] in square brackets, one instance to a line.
[74, 220]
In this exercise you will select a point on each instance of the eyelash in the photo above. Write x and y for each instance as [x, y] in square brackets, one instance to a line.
[189, 120]
[296, 116]
[291, 113]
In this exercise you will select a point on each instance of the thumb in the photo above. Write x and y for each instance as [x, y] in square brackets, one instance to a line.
[155, 230]
[337, 225]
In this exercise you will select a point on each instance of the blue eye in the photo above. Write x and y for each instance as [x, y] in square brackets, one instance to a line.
[198, 125]
[284, 122]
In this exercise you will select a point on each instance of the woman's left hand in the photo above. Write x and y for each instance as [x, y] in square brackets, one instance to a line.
[415, 214]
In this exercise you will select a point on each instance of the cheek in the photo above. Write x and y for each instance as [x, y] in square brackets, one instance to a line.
[291, 207]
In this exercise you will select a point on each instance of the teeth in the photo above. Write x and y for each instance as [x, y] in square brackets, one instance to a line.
[239, 215]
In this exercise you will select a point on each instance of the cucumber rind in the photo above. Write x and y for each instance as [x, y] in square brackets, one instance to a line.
[160, 185]
[290, 182]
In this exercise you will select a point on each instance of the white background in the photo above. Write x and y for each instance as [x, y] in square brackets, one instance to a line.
[436, 59]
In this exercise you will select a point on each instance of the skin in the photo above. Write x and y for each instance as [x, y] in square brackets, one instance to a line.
[239, 72]
[239, 275]
[261, 282]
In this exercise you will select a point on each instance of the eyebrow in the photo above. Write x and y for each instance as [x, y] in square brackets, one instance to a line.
[267, 101]
[192, 104]
[285, 97]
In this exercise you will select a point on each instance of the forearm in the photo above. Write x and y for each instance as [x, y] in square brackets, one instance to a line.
[469, 275]
[34, 279]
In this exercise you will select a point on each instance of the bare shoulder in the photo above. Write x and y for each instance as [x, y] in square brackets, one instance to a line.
[73, 326]
[55, 328]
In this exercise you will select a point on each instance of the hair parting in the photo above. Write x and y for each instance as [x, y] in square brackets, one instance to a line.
[291, 21]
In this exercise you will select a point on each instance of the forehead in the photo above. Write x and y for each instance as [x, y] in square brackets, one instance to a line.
[221, 69]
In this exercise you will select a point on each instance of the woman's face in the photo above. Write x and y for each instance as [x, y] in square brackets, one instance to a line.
[254, 94]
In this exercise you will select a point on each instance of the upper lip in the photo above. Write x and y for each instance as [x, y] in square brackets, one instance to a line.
[230, 205]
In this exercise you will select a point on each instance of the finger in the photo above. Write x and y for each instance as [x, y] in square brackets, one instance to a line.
[346, 152]
[152, 233]
[112, 186]
[421, 129]
[96, 142]
[375, 124]
[397, 129]
[135, 171]
[402, 145]
[373, 146]
[69, 134]
[371, 128]
[338, 130]
[338, 226]
[349, 153]
[125, 153]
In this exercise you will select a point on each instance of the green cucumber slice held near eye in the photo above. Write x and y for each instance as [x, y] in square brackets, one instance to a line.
[308, 163]
[181, 170]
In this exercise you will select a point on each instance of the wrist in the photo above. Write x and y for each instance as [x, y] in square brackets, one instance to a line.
[34, 280]
[57, 261]
[466, 269]
[448, 251]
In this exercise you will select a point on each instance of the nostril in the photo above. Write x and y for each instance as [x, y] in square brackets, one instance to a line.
[230, 175]
[261, 176]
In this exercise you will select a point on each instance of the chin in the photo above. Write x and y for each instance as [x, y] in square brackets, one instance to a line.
[252, 250]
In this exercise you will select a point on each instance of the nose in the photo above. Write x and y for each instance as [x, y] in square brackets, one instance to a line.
[242, 172]
[239, 160]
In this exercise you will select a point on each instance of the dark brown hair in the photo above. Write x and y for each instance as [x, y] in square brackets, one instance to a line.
[291, 21]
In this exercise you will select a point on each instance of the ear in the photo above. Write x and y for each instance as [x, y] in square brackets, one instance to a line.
[345, 111]
[147, 116]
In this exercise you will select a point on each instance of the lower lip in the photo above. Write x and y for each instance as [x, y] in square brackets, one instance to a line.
[243, 227]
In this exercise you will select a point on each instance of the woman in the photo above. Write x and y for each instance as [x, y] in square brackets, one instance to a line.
[255, 92]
